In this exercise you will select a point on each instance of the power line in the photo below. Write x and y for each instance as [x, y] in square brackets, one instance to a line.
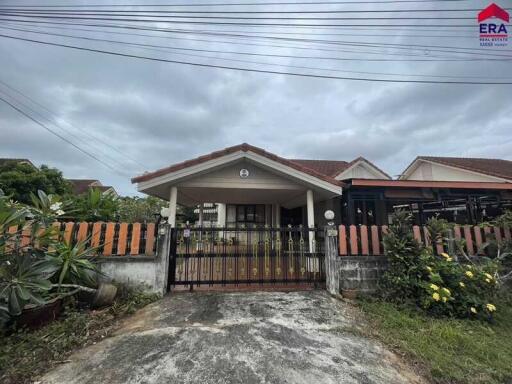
[136, 11]
[138, 20]
[59, 135]
[252, 69]
[160, 47]
[433, 48]
[253, 53]
[338, 27]
[83, 132]
[35, 24]
[239, 4]
[432, 58]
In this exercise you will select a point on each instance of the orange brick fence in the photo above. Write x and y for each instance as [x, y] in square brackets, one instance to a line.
[113, 239]
[362, 240]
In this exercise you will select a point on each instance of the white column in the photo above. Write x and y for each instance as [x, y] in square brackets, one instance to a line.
[311, 217]
[277, 215]
[221, 215]
[201, 216]
[173, 198]
[268, 215]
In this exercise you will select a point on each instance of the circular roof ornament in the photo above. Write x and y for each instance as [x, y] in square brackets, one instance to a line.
[244, 173]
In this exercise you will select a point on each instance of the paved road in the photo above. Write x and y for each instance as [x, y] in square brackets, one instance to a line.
[221, 338]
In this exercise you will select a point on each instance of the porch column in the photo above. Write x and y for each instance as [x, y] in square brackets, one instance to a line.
[277, 215]
[221, 215]
[173, 198]
[201, 215]
[311, 217]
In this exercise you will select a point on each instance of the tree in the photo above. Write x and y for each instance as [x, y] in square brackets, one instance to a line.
[20, 180]
[140, 209]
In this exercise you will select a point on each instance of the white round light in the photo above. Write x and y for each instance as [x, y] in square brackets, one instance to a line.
[244, 173]
[329, 215]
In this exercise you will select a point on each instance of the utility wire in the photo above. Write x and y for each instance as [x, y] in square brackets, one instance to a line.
[254, 53]
[60, 136]
[239, 4]
[431, 58]
[255, 33]
[166, 48]
[83, 132]
[396, 46]
[338, 27]
[136, 11]
[139, 20]
[252, 69]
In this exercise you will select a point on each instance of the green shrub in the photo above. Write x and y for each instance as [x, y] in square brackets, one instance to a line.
[438, 284]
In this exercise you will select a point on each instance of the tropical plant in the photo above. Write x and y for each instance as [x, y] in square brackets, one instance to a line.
[72, 264]
[95, 206]
[23, 280]
[46, 209]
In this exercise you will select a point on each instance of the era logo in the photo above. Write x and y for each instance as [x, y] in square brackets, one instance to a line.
[493, 33]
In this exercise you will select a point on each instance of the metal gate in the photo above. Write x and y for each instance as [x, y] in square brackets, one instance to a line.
[238, 257]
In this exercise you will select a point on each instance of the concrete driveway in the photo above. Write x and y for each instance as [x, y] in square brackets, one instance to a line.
[246, 337]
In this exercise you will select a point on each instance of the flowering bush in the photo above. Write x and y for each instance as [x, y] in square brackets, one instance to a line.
[439, 284]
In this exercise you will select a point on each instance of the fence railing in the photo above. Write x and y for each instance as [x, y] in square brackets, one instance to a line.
[112, 239]
[362, 240]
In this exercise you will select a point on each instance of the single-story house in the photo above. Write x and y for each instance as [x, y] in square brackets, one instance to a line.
[81, 186]
[252, 186]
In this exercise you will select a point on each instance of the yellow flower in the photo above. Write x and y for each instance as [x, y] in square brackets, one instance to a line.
[436, 296]
[490, 307]
[434, 287]
[462, 285]
[445, 255]
[447, 291]
[429, 269]
[488, 281]
[449, 259]
[488, 276]
[473, 309]
[469, 274]
[445, 299]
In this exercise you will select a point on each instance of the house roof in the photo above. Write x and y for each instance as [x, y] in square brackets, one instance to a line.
[326, 167]
[83, 185]
[430, 184]
[4, 161]
[492, 167]
[295, 164]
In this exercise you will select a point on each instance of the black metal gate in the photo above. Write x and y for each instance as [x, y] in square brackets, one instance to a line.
[238, 257]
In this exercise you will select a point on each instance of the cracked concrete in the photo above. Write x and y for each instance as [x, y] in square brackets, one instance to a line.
[246, 337]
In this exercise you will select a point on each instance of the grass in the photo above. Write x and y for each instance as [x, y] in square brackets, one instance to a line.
[448, 350]
[26, 354]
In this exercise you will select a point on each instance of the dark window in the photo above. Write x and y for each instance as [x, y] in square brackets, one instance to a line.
[249, 214]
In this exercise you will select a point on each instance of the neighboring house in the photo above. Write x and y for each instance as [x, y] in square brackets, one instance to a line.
[81, 186]
[254, 187]
[4, 161]
[458, 169]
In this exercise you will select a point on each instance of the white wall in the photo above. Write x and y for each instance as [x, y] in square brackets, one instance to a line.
[229, 177]
[360, 171]
[438, 172]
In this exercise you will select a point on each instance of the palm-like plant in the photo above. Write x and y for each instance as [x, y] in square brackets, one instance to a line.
[72, 264]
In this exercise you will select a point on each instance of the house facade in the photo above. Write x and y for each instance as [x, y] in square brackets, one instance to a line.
[253, 187]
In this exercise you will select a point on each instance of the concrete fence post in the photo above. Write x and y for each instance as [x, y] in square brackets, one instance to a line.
[162, 258]
[331, 254]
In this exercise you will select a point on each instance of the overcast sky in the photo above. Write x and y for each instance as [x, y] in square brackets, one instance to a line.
[162, 113]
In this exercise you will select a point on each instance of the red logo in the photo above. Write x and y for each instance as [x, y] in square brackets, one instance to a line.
[493, 11]
[493, 30]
